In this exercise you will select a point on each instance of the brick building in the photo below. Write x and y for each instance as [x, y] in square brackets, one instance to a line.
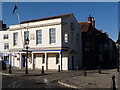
[96, 46]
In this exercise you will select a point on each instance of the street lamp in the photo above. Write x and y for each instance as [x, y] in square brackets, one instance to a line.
[85, 60]
[26, 42]
[10, 65]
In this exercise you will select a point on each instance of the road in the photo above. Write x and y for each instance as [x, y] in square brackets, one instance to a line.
[27, 82]
[48, 80]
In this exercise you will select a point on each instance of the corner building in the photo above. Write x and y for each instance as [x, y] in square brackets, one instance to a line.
[53, 41]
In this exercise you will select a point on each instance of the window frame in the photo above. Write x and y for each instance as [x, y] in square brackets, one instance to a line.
[52, 35]
[15, 38]
[66, 37]
[6, 46]
[26, 36]
[40, 37]
[72, 36]
[5, 36]
[72, 26]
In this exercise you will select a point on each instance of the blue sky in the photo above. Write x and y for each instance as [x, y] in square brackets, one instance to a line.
[105, 13]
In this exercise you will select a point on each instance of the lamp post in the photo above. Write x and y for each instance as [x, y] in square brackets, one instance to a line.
[85, 74]
[10, 65]
[26, 42]
[85, 59]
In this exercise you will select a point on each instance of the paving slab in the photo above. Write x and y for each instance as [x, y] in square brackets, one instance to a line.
[92, 80]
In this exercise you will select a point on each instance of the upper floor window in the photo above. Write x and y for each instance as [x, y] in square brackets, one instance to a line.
[5, 36]
[66, 37]
[72, 26]
[26, 35]
[72, 36]
[6, 45]
[39, 37]
[15, 38]
[52, 35]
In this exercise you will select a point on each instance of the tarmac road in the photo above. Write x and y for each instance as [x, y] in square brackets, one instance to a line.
[18, 79]
[27, 82]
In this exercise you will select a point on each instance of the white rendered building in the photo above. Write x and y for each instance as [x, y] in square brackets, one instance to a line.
[53, 41]
[4, 45]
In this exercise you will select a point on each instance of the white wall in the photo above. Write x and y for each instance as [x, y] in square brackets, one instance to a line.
[72, 45]
[2, 41]
[45, 34]
[61, 29]
[65, 61]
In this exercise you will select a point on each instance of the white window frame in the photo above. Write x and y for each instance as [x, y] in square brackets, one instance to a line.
[15, 38]
[5, 36]
[26, 35]
[66, 37]
[6, 46]
[38, 39]
[52, 35]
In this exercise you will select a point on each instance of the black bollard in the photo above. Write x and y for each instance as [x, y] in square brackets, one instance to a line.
[42, 70]
[99, 69]
[113, 83]
[58, 68]
[10, 69]
[85, 74]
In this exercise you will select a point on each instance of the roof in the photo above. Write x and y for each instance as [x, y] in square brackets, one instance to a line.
[84, 26]
[47, 18]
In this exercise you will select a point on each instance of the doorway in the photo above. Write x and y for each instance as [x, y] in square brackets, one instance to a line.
[72, 62]
[23, 61]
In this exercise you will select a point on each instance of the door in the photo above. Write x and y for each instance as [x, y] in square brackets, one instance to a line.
[23, 61]
[72, 62]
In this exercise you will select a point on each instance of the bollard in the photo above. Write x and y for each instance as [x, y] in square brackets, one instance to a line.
[113, 83]
[10, 69]
[58, 68]
[42, 70]
[99, 69]
[85, 71]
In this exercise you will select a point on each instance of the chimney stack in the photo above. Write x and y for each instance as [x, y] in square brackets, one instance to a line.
[91, 20]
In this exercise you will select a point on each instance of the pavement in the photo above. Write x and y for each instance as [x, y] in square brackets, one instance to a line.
[71, 79]
[92, 80]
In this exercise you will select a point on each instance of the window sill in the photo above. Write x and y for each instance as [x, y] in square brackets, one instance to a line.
[52, 43]
[39, 44]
